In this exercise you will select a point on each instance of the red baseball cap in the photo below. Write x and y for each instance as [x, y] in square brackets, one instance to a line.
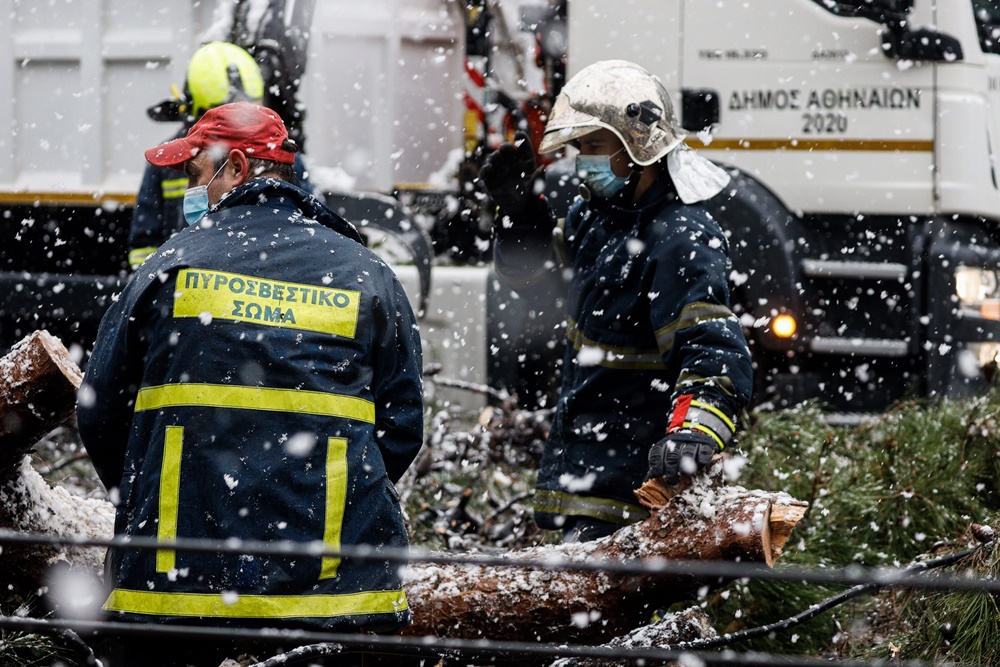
[255, 130]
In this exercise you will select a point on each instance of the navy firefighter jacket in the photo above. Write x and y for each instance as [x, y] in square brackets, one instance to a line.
[258, 378]
[652, 344]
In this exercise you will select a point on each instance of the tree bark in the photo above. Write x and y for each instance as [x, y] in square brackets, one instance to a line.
[38, 384]
[705, 522]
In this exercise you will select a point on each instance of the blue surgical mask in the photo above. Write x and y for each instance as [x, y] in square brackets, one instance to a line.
[196, 200]
[595, 170]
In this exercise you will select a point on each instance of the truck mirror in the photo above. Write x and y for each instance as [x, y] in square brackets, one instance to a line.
[923, 44]
[699, 109]
[898, 41]
[879, 11]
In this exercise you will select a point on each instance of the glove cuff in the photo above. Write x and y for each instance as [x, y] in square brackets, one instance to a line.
[694, 415]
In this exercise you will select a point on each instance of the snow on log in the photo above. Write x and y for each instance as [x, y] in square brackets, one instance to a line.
[703, 522]
[38, 384]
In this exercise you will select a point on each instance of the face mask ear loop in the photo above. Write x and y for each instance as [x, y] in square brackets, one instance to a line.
[217, 172]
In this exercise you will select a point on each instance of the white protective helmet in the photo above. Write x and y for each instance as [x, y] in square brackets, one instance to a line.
[624, 98]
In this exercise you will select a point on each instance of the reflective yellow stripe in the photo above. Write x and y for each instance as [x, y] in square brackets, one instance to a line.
[173, 188]
[612, 356]
[707, 431]
[67, 198]
[137, 256]
[231, 605]
[336, 499]
[691, 315]
[170, 489]
[605, 509]
[715, 411]
[559, 240]
[255, 398]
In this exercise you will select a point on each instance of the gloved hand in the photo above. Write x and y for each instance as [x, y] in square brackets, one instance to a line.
[510, 176]
[680, 453]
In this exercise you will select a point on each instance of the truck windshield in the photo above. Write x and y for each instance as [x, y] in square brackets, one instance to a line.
[988, 22]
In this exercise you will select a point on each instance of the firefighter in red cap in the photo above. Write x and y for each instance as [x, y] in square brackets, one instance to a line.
[259, 378]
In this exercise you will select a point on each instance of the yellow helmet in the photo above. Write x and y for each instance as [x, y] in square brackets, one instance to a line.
[220, 73]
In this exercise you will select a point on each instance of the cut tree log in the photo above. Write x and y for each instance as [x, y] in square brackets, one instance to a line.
[707, 521]
[38, 385]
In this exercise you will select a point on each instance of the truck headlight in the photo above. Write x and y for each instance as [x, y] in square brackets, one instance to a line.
[987, 354]
[978, 291]
[983, 360]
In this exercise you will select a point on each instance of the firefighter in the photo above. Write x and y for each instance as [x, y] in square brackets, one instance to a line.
[259, 379]
[218, 73]
[656, 368]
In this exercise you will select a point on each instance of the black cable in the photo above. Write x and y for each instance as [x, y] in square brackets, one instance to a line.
[474, 651]
[819, 608]
[74, 643]
[707, 570]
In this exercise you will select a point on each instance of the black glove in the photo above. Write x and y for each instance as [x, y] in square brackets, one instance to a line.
[681, 453]
[510, 177]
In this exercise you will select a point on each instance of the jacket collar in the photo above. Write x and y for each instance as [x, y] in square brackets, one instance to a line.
[283, 195]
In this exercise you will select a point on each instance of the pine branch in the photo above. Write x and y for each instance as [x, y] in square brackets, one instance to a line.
[825, 605]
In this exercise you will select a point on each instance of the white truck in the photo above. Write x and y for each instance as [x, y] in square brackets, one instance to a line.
[862, 136]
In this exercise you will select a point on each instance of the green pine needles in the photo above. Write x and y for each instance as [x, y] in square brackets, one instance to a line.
[907, 484]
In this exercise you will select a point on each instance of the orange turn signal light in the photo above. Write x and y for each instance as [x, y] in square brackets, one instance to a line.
[784, 326]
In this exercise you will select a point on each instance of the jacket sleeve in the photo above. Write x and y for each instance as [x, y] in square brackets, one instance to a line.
[397, 380]
[107, 396]
[697, 333]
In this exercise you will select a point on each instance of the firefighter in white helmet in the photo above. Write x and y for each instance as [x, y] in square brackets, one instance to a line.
[218, 73]
[657, 368]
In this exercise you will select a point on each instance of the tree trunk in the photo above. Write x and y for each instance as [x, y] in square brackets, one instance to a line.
[706, 522]
[38, 384]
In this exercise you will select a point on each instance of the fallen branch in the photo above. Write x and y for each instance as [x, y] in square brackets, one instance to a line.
[685, 626]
